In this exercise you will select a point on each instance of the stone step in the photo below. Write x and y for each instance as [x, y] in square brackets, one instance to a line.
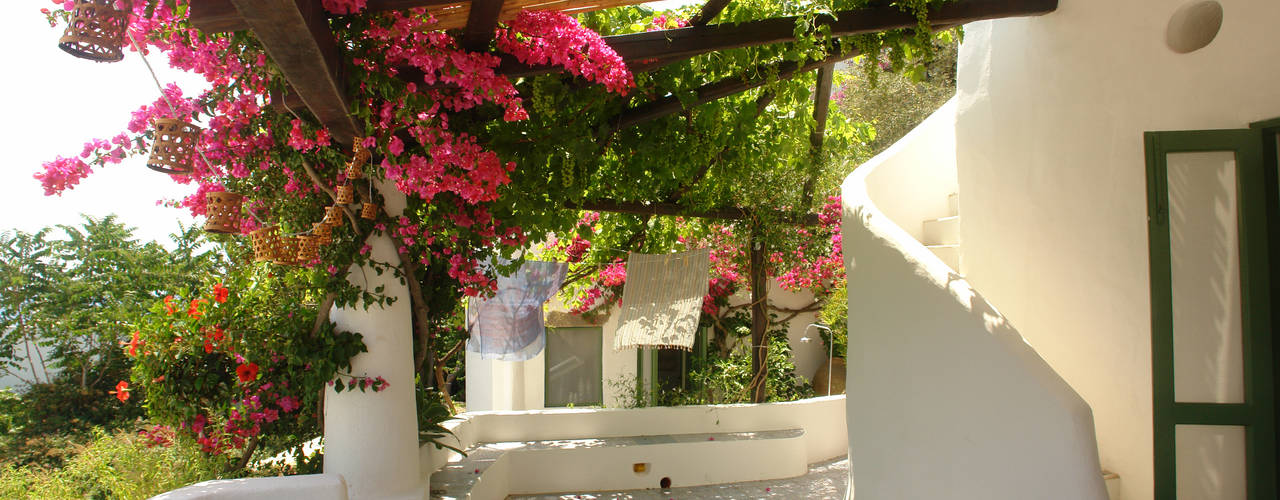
[942, 231]
[950, 255]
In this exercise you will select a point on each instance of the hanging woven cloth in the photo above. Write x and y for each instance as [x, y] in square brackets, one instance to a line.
[662, 299]
[509, 326]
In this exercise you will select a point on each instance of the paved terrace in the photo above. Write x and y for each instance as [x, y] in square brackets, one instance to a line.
[825, 480]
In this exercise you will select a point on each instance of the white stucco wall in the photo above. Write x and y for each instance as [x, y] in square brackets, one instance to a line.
[1051, 174]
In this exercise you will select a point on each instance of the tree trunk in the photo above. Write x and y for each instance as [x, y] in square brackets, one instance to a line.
[759, 320]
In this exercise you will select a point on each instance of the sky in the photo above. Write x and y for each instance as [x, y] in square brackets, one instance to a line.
[57, 102]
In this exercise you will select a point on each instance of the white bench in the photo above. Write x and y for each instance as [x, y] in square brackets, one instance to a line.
[495, 470]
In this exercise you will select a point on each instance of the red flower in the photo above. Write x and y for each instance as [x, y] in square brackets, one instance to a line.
[194, 309]
[247, 372]
[121, 392]
[217, 334]
[220, 293]
[133, 345]
[168, 304]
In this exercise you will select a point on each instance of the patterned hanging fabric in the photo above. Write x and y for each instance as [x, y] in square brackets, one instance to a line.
[662, 299]
[509, 326]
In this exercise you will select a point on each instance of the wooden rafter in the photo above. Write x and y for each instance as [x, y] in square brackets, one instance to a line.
[217, 16]
[709, 11]
[296, 35]
[725, 88]
[674, 45]
[482, 19]
[821, 104]
[672, 209]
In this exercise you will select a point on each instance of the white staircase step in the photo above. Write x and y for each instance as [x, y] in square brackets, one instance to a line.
[942, 231]
[1113, 484]
[953, 204]
[950, 254]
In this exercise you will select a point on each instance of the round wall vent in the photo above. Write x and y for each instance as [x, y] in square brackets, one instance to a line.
[1193, 26]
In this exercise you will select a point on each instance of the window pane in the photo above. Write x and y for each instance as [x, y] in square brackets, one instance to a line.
[1205, 267]
[1211, 462]
[573, 366]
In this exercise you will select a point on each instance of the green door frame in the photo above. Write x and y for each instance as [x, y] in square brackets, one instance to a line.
[1270, 130]
[1257, 413]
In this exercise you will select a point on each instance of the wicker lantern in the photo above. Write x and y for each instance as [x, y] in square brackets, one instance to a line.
[322, 230]
[359, 154]
[223, 209]
[173, 146]
[354, 170]
[345, 194]
[265, 241]
[369, 211]
[96, 30]
[308, 248]
[333, 216]
[286, 253]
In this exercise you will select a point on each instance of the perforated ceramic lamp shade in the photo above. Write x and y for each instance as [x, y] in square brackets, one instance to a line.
[96, 31]
[223, 209]
[174, 147]
[265, 241]
[354, 170]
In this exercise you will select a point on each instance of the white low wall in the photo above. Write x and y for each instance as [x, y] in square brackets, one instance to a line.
[308, 487]
[822, 419]
[950, 401]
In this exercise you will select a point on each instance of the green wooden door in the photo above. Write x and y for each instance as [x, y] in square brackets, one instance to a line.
[1211, 349]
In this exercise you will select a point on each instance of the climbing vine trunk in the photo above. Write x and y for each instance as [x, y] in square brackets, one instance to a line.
[759, 320]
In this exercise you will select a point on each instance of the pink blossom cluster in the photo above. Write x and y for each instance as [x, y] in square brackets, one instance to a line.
[550, 37]
[344, 6]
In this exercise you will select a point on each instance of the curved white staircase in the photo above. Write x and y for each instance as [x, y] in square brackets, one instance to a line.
[945, 399]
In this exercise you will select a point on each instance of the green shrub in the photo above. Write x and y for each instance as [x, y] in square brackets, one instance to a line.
[113, 466]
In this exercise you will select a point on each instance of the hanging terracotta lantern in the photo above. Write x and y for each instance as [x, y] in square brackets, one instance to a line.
[223, 209]
[308, 248]
[265, 241]
[96, 30]
[354, 170]
[369, 211]
[174, 147]
[333, 216]
[345, 194]
[286, 251]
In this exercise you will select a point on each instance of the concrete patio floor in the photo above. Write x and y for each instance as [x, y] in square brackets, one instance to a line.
[825, 480]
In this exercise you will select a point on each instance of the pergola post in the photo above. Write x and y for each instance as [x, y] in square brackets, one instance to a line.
[371, 438]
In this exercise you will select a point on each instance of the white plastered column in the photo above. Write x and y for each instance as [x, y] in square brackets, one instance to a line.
[371, 438]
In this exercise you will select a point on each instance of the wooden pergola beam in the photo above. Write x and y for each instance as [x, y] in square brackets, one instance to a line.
[217, 16]
[674, 210]
[821, 106]
[296, 35]
[674, 45]
[709, 11]
[482, 19]
[725, 88]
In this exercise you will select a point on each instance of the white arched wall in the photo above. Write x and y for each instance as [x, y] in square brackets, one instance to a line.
[945, 400]
[1052, 179]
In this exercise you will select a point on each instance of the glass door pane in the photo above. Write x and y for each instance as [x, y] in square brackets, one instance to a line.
[1205, 271]
[1211, 462]
[574, 367]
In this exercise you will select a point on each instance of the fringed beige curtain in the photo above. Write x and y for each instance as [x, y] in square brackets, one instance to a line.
[662, 299]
